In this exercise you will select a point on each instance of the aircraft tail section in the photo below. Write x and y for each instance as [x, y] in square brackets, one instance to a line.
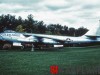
[93, 32]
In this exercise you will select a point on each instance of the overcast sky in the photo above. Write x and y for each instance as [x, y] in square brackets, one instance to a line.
[74, 13]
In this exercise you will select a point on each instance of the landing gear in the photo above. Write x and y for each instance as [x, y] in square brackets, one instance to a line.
[1, 46]
[7, 46]
[32, 49]
[22, 47]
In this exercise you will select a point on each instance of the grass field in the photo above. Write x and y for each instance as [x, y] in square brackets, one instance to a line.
[71, 61]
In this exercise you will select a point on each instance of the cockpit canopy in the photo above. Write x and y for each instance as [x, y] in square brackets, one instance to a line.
[9, 31]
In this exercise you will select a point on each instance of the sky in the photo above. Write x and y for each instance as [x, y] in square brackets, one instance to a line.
[72, 13]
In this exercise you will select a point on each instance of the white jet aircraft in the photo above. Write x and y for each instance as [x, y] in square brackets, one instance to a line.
[40, 40]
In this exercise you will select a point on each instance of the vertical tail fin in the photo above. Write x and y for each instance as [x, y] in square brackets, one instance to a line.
[94, 32]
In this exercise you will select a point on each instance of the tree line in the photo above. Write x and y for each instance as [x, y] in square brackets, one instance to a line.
[30, 25]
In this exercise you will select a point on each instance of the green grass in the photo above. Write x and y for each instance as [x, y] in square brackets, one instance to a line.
[71, 61]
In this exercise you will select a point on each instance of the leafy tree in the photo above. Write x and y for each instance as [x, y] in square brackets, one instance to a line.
[81, 31]
[71, 32]
[41, 27]
[65, 30]
[33, 26]
[19, 28]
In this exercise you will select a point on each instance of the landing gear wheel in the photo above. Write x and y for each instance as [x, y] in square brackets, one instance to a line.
[7, 46]
[22, 47]
[1, 46]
